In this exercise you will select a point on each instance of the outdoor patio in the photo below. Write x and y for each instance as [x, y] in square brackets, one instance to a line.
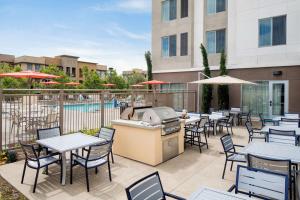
[182, 175]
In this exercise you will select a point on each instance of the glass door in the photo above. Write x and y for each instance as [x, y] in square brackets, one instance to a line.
[278, 97]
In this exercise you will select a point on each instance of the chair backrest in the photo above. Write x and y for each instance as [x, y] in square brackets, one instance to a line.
[290, 121]
[107, 133]
[97, 152]
[262, 120]
[29, 151]
[227, 143]
[262, 184]
[249, 128]
[148, 187]
[282, 137]
[230, 119]
[48, 133]
[291, 115]
[276, 165]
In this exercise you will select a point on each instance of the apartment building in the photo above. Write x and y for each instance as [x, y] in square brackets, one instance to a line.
[134, 70]
[69, 64]
[260, 37]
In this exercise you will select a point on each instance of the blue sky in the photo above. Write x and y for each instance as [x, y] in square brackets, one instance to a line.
[112, 32]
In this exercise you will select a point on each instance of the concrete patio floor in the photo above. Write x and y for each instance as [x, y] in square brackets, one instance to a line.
[182, 175]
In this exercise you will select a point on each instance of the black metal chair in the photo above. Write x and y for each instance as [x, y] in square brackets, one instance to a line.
[32, 160]
[150, 188]
[259, 183]
[282, 137]
[193, 134]
[230, 152]
[108, 135]
[254, 133]
[264, 121]
[275, 165]
[47, 133]
[244, 116]
[228, 123]
[97, 155]
[290, 121]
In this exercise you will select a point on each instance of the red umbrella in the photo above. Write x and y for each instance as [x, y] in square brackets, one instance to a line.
[51, 83]
[154, 82]
[109, 84]
[72, 83]
[29, 74]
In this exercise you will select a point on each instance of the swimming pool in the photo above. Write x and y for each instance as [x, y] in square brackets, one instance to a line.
[87, 107]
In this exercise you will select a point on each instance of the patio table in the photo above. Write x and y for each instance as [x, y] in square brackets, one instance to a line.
[273, 150]
[215, 118]
[66, 143]
[213, 194]
[266, 129]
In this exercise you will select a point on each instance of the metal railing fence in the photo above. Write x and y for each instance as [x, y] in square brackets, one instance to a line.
[24, 111]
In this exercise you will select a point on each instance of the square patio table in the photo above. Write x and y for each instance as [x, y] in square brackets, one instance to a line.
[215, 118]
[273, 150]
[213, 194]
[66, 143]
[266, 129]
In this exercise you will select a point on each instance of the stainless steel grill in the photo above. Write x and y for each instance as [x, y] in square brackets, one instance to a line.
[165, 116]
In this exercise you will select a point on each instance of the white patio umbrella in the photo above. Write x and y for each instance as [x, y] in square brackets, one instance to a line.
[223, 80]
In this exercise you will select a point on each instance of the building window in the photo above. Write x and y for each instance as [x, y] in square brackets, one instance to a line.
[216, 41]
[37, 67]
[272, 31]
[80, 73]
[169, 46]
[73, 72]
[29, 66]
[184, 8]
[184, 44]
[68, 71]
[169, 10]
[216, 6]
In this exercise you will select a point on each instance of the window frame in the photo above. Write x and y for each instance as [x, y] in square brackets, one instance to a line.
[215, 7]
[169, 11]
[215, 38]
[187, 44]
[271, 33]
[169, 46]
[181, 9]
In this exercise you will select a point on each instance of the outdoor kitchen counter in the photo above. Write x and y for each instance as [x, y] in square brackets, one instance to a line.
[145, 144]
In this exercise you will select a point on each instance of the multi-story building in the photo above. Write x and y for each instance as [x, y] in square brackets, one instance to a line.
[101, 70]
[259, 37]
[69, 64]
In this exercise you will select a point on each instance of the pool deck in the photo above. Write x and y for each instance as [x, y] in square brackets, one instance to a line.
[182, 175]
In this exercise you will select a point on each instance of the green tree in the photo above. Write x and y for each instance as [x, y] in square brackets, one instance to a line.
[223, 91]
[91, 79]
[8, 82]
[113, 77]
[135, 78]
[149, 65]
[54, 70]
[207, 89]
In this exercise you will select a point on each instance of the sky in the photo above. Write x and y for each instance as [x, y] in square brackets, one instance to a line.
[112, 32]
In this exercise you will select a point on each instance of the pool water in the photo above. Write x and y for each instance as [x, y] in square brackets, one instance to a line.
[88, 107]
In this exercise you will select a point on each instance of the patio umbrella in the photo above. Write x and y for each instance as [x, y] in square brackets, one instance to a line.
[109, 84]
[72, 83]
[223, 80]
[154, 82]
[50, 83]
[137, 85]
[31, 75]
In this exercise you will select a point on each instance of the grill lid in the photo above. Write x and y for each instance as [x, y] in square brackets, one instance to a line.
[159, 115]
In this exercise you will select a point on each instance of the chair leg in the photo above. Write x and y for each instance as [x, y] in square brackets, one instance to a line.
[199, 142]
[231, 130]
[96, 170]
[112, 157]
[61, 171]
[231, 165]
[87, 179]
[23, 175]
[35, 181]
[224, 169]
[206, 140]
[108, 165]
[71, 169]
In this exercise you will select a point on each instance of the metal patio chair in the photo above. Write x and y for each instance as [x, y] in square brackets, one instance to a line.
[149, 188]
[262, 184]
[228, 123]
[254, 133]
[97, 155]
[282, 137]
[34, 161]
[264, 121]
[230, 152]
[276, 165]
[108, 135]
[244, 116]
[290, 121]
